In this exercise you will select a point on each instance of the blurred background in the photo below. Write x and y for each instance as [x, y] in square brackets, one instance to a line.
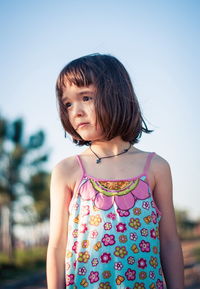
[159, 44]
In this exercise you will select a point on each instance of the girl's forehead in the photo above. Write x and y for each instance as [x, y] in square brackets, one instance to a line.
[72, 90]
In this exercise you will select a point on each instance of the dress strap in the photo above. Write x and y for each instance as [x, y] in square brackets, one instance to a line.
[80, 164]
[148, 162]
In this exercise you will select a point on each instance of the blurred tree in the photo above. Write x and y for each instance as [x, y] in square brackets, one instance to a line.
[185, 224]
[21, 171]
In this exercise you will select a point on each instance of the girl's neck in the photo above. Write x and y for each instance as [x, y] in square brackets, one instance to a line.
[111, 147]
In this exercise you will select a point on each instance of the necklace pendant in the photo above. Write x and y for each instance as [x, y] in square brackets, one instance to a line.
[98, 161]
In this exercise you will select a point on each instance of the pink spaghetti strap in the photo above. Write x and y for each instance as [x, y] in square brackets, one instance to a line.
[148, 162]
[80, 164]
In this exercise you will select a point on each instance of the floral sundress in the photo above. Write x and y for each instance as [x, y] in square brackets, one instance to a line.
[113, 236]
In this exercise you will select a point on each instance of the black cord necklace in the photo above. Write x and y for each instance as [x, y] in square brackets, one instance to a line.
[100, 158]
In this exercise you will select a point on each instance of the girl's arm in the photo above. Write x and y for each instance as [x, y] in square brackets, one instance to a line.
[60, 197]
[171, 252]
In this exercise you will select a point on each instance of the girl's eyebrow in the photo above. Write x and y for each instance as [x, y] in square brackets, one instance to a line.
[80, 93]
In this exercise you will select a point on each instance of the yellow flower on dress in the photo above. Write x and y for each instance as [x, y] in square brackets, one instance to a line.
[134, 223]
[106, 274]
[97, 246]
[83, 257]
[120, 251]
[76, 220]
[137, 211]
[134, 248]
[85, 243]
[153, 262]
[69, 254]
[84, 283]
[119, 279]
[95, 220]
[152, 286]
[105, 285]
[147, 219]
[139, 286]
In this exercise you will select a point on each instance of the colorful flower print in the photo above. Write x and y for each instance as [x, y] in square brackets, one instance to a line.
[84, 283]
[134, 223]
[137, 211]
[83, 228]
[76, 220]
[93, 234]
[108, 240]
[82, 271]
[153, 262]
[68, 254]
[143, 275]
[75, 246]
[122, 238]
[152, 275]
[144, 232]
[75, 233]
[124, 198]
[153, 233]
[154, 217]
[147, 219]
[130, 274]
[69, 279]
[144, 246]
[159, 284]
[155, 250]
[83, 257]
[95, 220]
[107, 226]
[139, 286]
[152, 286]
[118, 266]
[131, 260]
[111, 216]
[85, 244]
[133, 236]
[97, 246]
[106, 274]
[119, 279]
[85, 210]
[95, 262]
[123, 213]
[120, 251]
[67, 266]
[105, 257]
[146, 205]
[134, 248]
[105, 285]
[93, 277]
[121, 227]
[142, 263]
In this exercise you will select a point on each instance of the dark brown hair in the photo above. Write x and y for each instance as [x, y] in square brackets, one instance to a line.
[117, 108]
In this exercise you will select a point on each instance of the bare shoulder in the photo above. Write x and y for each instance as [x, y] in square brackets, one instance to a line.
[66, 172]
[160, 168]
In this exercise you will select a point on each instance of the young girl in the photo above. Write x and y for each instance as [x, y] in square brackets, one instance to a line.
[112, 222]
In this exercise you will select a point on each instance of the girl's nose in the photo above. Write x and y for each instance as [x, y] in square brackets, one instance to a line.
[78, 110]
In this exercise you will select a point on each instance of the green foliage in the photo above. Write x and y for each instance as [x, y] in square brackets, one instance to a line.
[196, 253]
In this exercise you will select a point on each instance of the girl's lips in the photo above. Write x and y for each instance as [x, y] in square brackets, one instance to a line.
[82, 124]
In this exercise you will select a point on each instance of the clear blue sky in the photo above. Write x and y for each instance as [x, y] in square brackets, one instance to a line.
[157, 41]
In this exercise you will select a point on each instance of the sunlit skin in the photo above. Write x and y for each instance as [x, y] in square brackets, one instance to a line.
[79, 102]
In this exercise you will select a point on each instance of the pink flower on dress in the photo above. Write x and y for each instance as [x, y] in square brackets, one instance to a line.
[133, 236]
[69, 279]
[130, 274]
[144, 246]
[146, 205]
[82, 271]
[107, 226]
[121, 227]
[105, 257]
[123, 213]
[111, 216]
[142, 263]
[154, 217]
[105, 202]
[153, 233]
[152, 275]
[83, 228]
[159, 284]
[85, 211]
[94, 234]
[93, 277]
[118, 266]
[108, 240]
[74, 247]
[95, 262]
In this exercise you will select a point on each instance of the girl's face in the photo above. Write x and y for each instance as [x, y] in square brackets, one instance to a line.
[79, 103]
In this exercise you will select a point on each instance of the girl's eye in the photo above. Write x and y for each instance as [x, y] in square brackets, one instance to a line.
[67, 105]
[86, 98]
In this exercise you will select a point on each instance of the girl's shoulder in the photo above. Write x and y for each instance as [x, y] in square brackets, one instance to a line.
[160, 168]
[68, 171]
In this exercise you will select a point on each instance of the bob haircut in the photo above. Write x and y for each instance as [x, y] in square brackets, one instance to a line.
[116, 105]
